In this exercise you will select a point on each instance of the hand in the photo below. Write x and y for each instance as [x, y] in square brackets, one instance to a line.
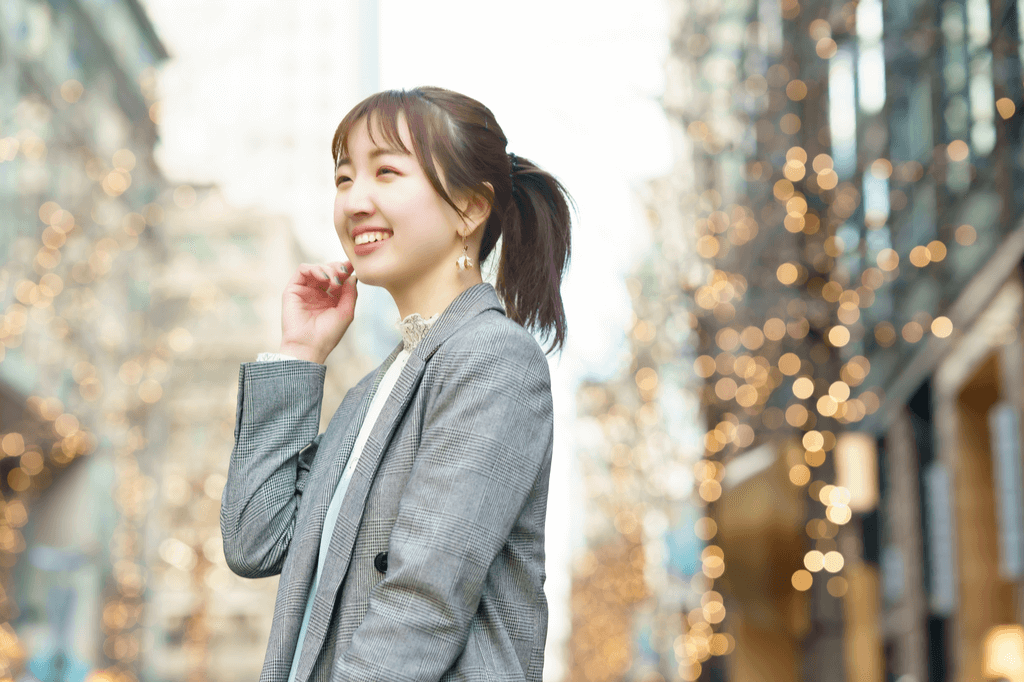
[317, 307]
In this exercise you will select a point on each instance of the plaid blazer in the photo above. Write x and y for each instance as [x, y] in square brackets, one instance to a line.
[435, 570]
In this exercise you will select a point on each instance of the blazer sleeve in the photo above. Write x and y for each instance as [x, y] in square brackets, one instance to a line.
[487, 433]
[276, 439]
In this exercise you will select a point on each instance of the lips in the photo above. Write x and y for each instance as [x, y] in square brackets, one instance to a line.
[368, 240]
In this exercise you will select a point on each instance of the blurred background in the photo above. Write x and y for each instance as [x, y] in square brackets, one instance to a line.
[788, 416]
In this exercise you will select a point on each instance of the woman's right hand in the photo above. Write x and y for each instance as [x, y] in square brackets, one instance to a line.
[317, 307]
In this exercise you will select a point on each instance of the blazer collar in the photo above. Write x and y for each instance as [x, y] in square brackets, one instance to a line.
[475, 300]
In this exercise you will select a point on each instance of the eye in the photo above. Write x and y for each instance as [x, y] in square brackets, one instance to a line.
[340, 179]
[386, 169]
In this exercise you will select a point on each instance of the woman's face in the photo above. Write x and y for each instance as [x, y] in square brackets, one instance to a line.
[394, 227]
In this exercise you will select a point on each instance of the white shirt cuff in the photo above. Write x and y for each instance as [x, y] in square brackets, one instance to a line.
[266, 357]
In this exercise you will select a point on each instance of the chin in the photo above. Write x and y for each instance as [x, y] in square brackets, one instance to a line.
[370, 276]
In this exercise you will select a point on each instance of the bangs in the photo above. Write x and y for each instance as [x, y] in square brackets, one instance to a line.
[381, 112]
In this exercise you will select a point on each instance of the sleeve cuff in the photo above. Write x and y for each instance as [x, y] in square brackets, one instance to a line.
[266, 357]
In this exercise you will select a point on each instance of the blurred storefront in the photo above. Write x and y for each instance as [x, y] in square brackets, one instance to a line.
[855, 183]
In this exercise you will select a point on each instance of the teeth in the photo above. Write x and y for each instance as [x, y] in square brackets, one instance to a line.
[368, 237]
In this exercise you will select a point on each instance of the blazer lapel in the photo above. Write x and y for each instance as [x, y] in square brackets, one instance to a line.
[334, 451]
[473, 301]
[340, 448]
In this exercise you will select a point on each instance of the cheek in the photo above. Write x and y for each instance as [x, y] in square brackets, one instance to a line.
[339, 213]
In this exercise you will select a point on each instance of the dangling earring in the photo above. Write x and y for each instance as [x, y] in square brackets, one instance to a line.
[464, 261]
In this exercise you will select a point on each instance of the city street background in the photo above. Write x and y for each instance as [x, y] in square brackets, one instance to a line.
[788, 434]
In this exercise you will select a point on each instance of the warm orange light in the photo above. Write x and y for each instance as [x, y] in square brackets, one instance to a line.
[913, 332]
[837, 586]
[790, 124]
[828, 179]
[799, 475]
[814, 561]
[827, 406]
[833, 561]
[840, 391]
[814, 458]
[704, 366]
[942, 327]
[819, 28]
[885, 333]
[958, 150]
[838, 514]
[839, 336]
[796, 90]
[888, 260]
[789, 364]
[1006, 107]
[725, 388]
[803, 387]
[857, 469]
[1004, 652]
[708, 246]
[787, 273]
[966, 235]
[705, 528]
[826, 48]
[920, 256]
[881, 168]
[813, 440]
[796, 415]
[774, 329]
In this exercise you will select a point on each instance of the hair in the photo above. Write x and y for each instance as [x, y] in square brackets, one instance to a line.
[529, 207]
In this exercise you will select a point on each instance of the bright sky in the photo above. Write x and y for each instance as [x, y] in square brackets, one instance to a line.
[575, 89]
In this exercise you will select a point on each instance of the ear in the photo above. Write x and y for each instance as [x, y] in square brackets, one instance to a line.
[477, 210]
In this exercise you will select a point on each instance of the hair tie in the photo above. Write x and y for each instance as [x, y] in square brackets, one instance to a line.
[513, 167]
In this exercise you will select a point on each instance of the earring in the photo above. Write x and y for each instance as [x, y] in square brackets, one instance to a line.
[464, 261]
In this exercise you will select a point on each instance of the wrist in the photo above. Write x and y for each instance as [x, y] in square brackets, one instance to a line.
[302, 352]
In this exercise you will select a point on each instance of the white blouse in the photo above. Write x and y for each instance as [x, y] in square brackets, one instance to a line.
[413, 329]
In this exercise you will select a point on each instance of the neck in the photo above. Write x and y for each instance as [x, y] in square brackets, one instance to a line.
[432, 297]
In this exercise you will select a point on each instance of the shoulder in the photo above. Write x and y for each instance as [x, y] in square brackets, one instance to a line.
[492, 337]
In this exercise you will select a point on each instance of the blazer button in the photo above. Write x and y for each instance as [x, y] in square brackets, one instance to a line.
[381, 562]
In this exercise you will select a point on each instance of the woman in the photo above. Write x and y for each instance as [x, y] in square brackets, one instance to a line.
[410, 535]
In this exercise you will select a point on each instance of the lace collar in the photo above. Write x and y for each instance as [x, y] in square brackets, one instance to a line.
[414, 328]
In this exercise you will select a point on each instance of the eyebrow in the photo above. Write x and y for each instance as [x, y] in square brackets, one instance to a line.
[377, 152]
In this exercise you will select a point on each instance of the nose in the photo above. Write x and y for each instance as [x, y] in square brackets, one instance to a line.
[358, 200]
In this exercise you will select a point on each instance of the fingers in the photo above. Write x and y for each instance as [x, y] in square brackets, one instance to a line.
[322, 275]
[324, 278]
[343, 266]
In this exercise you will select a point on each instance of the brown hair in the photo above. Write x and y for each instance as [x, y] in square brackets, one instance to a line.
[529, 207]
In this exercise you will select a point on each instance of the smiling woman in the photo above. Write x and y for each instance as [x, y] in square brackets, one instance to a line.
[410, 535]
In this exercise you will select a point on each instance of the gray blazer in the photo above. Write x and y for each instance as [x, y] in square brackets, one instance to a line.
[436, 567]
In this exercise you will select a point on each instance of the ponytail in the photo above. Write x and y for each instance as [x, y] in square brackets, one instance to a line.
[529, 207]
[535, 251]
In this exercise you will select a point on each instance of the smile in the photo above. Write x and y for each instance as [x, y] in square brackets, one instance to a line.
[367, 237]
